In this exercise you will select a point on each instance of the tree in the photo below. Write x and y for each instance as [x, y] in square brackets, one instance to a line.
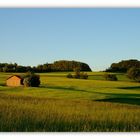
[69, 75]
[134, 74]
[123, 66]
[62, 65]
[83, 75]
[65, 65]
[5, 69]
[31, 80]
[110, 77]
[77, 72]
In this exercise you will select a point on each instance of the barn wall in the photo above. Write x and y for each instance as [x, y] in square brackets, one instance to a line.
[13, 81]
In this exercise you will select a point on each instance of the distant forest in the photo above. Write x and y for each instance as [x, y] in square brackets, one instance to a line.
[57, 66]
[123, 66]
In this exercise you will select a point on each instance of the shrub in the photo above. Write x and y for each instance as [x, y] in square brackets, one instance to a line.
[83, 75]
[110, 77]
[78, 76]
[26, 82]
[77, 72]
[134, 74]
[31, 80]
[69, 75]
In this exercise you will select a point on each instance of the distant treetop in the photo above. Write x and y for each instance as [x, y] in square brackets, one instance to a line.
[124, 65]
[62, 65]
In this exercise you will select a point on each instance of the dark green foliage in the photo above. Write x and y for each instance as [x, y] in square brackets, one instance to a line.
[123, 66]
[78, 74]
[62, 65]
[5, 67]
[26, 82]
[110, 77]
[69, 75]
[31, 80]
[134, 74]
[83, 75]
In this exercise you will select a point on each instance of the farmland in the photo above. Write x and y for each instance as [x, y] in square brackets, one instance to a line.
[71, 105]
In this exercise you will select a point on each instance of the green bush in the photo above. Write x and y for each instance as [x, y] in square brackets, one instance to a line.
[110, 77]
[69, 75]
[77, 72]
[31, 80]
[83, 75]
[134, 74]
[77, 76]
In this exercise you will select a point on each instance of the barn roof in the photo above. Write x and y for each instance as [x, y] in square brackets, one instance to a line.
[16, 76]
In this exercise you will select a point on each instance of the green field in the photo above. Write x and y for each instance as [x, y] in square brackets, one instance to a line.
[71, 105]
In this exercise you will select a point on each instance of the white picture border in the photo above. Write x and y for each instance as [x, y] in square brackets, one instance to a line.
[69, 4]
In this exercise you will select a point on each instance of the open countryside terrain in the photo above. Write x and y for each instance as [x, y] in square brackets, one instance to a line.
[71, 105]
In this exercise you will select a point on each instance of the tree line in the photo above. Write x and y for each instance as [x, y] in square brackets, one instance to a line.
[130, 67]
[57, 66]
[123, 66]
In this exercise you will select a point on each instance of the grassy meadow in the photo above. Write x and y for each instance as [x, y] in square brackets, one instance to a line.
[71, 105]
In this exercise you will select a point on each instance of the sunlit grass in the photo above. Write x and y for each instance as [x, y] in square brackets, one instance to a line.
[64, 105]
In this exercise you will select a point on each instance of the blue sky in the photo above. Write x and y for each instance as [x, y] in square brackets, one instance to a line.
[98, 37]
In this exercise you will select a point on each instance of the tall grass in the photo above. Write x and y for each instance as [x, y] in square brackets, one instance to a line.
[19, 114]
[70, 105]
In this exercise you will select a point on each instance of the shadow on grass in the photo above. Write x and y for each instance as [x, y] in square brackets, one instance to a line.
[65, 88]
[123, 98]
[2, 85]
[132, 101]
[133, 87]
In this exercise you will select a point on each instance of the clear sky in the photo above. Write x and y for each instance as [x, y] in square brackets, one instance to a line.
[97, 37]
